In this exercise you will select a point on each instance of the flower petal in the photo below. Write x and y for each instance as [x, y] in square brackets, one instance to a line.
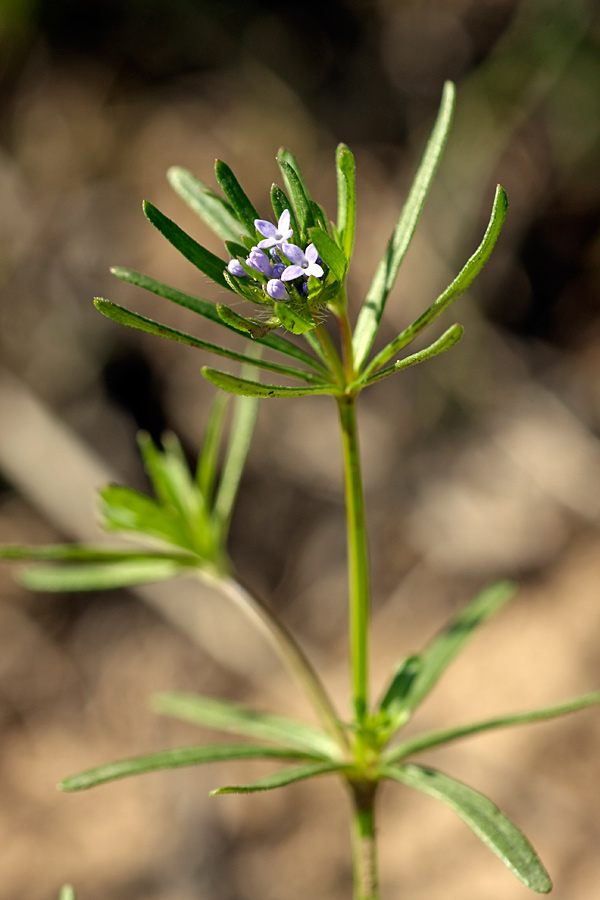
[284, 221]
[294, 254]
[292, 272]
[265, 228]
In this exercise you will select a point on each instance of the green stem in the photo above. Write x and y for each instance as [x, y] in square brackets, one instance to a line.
[289, 652]
[358, 557]
[364, 846]
[331, 353]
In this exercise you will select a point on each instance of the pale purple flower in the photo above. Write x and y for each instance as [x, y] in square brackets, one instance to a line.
[235, 267]
[302, 263]
[259, 260]
[276, 290]
[274, 236]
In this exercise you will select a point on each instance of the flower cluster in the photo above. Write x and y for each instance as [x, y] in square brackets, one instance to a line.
[285, 262]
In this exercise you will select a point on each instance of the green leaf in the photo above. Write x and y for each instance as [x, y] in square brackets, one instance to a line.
[66, 892]
[346, 189]
[403, 679]
[280, 779]
[194, 252]
[481, 815]
[83, 553]
[233, 384]
[296, 189]
[222, 715]
[232, 189]
[124, 509]
[449, 338]
[387, 271]
[134, 320]
[432, 739]
[212, 209]
[101, 576]
[462, 281]
[171, 759]
[443, 648]
[329, 252]
[245, 412]
[209, 311]
[279, 202]
[208, 458]
[318, 214]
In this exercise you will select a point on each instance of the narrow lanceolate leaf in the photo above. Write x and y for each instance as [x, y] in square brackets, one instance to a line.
[194, 252]
[329, 252]
[209, 311]
[221, 715]
[83, 553]
[234, 192]
[481, 815]
[296, 189]
[216, 212]
[243, 421]
[134, 320]
[387, 272]
[449, 338]
[431, 739]
[442, 649]
[233, 384]
[462, 281]
[280, 779]
[346, 190]
[208, 458]
[171, 759]
[392, 703]
[100, 576]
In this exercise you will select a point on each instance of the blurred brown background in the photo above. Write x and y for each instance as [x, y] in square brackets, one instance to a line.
[485, 462]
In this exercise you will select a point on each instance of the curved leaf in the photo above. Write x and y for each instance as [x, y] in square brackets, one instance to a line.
[212, 209]
[209, 311]
[221, 715]
[134, 320]
[194, 252]
[84, 553]
[481, 815]
[387, 271]
[279, 779]
[431, 739]
[101, 577]
[442, 649]
[449, 338]
[171, 759]
[462, 281]
[234, 192]
[233, 384]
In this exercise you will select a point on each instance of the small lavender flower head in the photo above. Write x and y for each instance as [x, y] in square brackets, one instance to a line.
[234, 267]
[303, 263]
[274, 236]
[276, 290]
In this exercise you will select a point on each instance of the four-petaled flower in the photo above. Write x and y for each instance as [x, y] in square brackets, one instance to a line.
[274, 236]
[302, 263]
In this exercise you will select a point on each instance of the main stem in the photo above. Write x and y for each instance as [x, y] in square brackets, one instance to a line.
[358, 557]
[364, 846]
